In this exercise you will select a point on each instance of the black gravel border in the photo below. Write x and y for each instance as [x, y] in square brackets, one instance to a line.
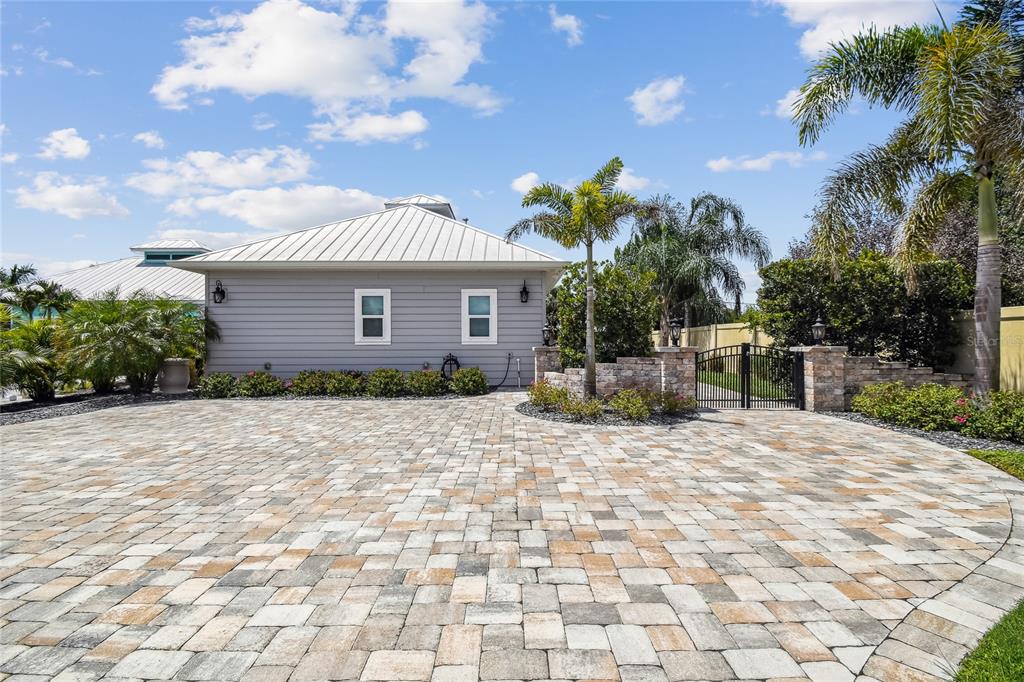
[608, 419]
[950, 439]
[83, 403]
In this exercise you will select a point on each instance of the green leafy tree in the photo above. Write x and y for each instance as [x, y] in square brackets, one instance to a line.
[867, 305]
[625, 312]
[53, 297]
[962, 91]
[591, 212]
[691, 250]
[28, 359]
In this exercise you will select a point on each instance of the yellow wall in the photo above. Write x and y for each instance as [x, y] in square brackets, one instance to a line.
[718, 335]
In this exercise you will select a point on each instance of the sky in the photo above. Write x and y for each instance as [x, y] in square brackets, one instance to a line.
[124, 122]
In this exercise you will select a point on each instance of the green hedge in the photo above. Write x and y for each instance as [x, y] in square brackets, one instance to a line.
[380, 383]
[998, 415]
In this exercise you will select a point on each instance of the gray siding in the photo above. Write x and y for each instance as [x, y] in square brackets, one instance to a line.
[299, 320]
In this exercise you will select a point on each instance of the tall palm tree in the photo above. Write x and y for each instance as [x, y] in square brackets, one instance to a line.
[589, 213]
[962, 91]
[53, 297]
[691, 250]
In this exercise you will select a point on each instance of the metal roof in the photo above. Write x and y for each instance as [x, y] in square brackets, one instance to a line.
[171, 244]
[435, 204]
[132, 274]
[405, 236]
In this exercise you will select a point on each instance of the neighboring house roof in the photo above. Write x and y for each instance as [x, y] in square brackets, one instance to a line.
[404, 236]
[435, 204]
[172, 245]
[132, 274]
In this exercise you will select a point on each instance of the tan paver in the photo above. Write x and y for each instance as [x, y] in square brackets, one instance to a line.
[459, 540]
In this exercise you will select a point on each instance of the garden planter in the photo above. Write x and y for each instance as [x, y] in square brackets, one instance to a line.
[174, 375]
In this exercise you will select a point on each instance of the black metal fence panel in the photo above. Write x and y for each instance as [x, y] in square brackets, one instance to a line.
[746, 376]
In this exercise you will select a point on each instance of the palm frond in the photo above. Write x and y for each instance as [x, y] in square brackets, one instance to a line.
[944, 192]
[607, 177]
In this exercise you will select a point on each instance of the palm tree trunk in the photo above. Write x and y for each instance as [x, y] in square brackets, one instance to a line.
[589, 368]
[687, 316]
[664, 323]
[987, 291]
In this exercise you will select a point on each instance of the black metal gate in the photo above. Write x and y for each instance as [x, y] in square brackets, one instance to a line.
[748, 376]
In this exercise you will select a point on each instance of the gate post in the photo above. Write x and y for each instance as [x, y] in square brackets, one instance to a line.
[678, 365]
[824, 377]
[545, 359]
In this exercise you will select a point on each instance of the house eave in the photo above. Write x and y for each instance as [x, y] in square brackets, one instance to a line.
[209, 266]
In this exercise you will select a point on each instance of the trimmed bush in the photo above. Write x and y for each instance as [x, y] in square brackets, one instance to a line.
[632, 404]
[217, 385]
[426, 382]
[546, 396]
[469, 381]
[310, 382]
[345, 384]
[999, 415]
[260, 385]
[933, 407]
[880, 401]
[581, 410]
[385, 382]
[676, 404]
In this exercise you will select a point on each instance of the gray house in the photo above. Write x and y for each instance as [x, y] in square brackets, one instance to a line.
[403, 288]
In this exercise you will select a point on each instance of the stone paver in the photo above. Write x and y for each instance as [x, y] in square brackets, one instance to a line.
[459, 540]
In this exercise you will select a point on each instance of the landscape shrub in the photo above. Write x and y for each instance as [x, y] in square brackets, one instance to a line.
[999, 415]
[547, 397]
[426, 382]
[217, 385]
[29, 359]
[385, 382]
[310, 382]
[632, 404]
[880, 401]
[469, 381]
[345, 384]
[931, 407]
[260, 385]
[581, 409]
[676, 404]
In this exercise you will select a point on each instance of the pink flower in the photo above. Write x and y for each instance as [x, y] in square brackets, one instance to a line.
[960, 419]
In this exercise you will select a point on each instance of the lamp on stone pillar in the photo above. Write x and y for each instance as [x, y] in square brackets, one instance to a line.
[674, 329]
[547, 334]
[818, 329]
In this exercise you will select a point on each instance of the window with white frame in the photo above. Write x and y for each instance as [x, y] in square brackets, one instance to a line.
[479, 316]
[373, 316]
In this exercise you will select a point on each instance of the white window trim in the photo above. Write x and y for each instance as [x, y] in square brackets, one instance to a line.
[480, 340]
[357, 305]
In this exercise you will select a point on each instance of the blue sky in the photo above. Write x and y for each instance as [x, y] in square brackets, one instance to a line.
[127, 121]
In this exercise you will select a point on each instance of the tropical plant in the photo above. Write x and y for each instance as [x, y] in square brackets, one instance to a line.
[591, 212]
[28, 359]
[961, 88]
[53, 297]
[625, 312]
[690, 249]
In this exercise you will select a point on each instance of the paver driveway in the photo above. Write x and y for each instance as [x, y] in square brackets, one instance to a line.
[457, 540]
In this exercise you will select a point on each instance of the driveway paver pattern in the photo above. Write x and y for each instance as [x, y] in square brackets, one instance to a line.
[460, 540]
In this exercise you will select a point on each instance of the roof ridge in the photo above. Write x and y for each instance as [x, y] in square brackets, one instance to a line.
[482, 231]
[94, 265]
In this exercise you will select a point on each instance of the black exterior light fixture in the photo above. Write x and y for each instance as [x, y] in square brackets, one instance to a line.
[218, 293]
[546, 332]
[674, 331]
[818, 329]
[524, 293]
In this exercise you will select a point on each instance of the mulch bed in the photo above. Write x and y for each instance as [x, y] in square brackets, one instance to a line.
[950, 439]
[608, 419]
[79, 403]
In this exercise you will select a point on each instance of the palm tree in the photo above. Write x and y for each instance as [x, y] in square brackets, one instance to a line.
[962, 91]
[589, 213]
[53, 297]
[690, 249]
[13, 282]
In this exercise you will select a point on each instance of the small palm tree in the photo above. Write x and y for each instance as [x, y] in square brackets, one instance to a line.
[691, 250]
[962, 90]
[589, 213]
[53, 297]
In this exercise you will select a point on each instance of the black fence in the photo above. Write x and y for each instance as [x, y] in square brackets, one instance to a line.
[748, 376]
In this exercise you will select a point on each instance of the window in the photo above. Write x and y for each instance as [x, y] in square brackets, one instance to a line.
[480, 316]
[373, 316]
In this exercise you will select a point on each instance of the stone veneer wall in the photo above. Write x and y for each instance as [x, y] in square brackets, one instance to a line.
[862, 371]
[671, 370]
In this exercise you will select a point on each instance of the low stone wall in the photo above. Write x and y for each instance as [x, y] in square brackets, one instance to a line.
[862, 371]
[671, 370]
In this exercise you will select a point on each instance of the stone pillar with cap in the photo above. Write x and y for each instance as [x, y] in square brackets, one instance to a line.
[824, 377]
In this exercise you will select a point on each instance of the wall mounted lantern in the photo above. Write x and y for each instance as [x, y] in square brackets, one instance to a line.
[674, 330]
[218, 293]
[818, 329]
[546, 332]
[524, 293]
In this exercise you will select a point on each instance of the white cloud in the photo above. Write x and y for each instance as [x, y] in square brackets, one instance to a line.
[4, 129]
[62, 62]
[79, 235]
[276, 208]
[151, 139]
[206, 172]
[349, 64]
[263, 121]
[783, 107]
[568, 24]
[44, 266]
[630, 182]
[659, 101]
[64, 144]
[763, 163]
[525, 182]
[9, 157]
[54, 193]
[828, 22]
[370, 128]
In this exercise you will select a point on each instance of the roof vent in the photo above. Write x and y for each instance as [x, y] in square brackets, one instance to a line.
[436, 204]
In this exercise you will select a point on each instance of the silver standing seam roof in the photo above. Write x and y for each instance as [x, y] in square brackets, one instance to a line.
[404, 235]
[133, 274]
[171, 245]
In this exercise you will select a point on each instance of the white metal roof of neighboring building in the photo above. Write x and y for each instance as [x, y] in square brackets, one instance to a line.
[406, 236]
[435, 204]
[171, 245]
[132, 274]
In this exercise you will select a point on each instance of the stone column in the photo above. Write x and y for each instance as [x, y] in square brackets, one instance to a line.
[678, 366]
[545, 359]
[824, 377]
